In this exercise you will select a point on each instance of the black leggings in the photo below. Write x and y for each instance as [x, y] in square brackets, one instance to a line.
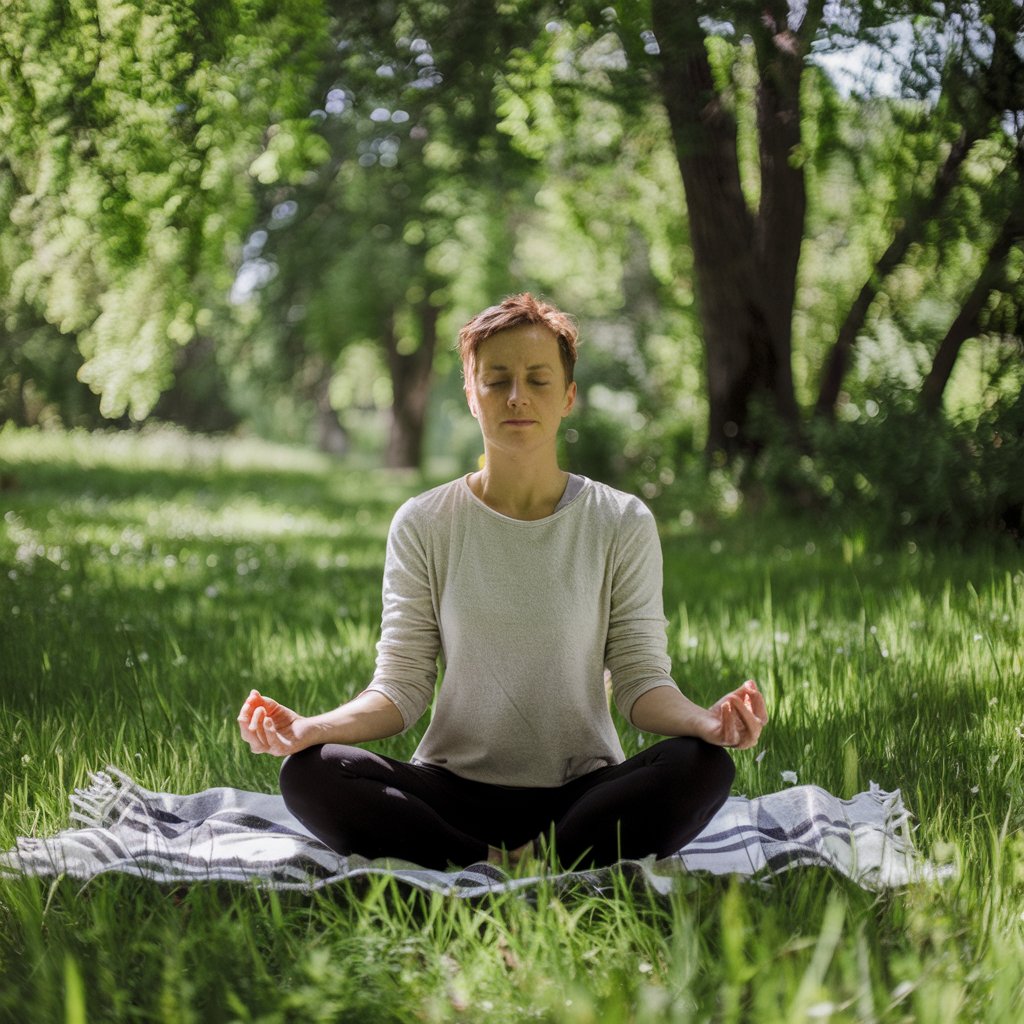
[356, 801]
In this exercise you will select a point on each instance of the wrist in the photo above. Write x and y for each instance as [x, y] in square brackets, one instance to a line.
[308, 732]
[709, 726]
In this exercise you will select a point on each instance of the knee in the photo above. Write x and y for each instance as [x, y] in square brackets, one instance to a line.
[695, 758]
[299, 775]
[720, 767]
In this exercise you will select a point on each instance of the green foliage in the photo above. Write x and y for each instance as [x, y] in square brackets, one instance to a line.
[894, 471]
[367, 166]
[131, 134]
[407, 227]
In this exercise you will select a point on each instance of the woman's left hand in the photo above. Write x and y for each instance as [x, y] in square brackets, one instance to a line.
[739, 717]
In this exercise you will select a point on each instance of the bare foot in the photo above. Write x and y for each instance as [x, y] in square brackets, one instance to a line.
[501, 856]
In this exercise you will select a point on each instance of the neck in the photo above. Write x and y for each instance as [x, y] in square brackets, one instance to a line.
[520, 490]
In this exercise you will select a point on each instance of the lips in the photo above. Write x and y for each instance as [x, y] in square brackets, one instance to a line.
[517, 423]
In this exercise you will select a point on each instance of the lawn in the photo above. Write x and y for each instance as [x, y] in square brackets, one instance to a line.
[149, 580]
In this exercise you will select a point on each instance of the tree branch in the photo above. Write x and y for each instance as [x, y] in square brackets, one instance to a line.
[968, 321]
[921, 212]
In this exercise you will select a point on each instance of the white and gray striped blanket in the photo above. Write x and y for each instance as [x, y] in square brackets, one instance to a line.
[237, 835]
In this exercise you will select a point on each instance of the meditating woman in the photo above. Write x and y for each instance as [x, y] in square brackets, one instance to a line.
[529, 582]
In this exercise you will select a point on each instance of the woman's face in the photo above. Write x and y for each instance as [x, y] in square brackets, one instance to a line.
[517, 389]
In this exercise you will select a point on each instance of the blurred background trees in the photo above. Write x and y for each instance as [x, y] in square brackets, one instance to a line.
[791, 231]
[130, 132]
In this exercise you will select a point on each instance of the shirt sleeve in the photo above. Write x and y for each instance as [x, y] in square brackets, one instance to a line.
[636, 652]
[406, 670]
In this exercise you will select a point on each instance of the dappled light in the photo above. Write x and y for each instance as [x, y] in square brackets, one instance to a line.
[238, 241]
[255, 218]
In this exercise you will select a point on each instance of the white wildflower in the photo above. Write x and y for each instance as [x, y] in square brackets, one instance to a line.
[821, 1010]
[902, 990]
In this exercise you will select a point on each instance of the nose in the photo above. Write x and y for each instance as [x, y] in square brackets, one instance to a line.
[516, 392]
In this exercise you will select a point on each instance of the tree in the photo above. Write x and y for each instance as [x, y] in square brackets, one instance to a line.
[130, 133]
[744, 169]
[977, 91]
[375, 246]
[994, 277]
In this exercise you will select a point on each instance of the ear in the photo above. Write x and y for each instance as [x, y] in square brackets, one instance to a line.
[570, 399]
[471, 400]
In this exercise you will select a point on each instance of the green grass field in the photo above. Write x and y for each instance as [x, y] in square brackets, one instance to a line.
[148, 581]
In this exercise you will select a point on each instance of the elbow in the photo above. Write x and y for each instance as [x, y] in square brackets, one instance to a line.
[405, 710]
[646, 711]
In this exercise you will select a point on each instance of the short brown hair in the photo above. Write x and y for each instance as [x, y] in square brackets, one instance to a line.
[514, 311]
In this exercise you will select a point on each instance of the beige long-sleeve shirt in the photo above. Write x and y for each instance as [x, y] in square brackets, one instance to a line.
[525, 616]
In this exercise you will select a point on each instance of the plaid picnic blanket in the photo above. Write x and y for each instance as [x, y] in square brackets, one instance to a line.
[239, 835]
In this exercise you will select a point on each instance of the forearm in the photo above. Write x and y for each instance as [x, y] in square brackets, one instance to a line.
[667, 712]
[368, 716]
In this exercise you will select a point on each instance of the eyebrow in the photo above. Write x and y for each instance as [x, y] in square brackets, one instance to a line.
[498, 367]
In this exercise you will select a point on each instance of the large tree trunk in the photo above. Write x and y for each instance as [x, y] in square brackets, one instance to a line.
[745, 269]
[780, 222]
[411, 374]
[910, 231]
[966, 324]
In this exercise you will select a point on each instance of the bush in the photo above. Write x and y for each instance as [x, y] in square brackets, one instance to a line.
[897, 469]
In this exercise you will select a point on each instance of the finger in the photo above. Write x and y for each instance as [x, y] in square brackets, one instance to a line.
[265, 726]
[246, 710]
[730, 730]
[759, 708]
[256, 745]
[259, 721]
[756, 699]
[278, 742]
[746, 716]
[255, 722]
[737, 729]
[753, 701]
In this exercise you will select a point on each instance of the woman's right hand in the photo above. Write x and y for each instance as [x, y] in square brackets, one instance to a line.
[271, 728]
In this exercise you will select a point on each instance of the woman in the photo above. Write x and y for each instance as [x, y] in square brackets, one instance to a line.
[531, 583]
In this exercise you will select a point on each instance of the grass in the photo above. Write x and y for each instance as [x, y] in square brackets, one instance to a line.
[149, 580]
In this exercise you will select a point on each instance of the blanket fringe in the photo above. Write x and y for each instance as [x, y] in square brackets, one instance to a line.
[91, 805]
[897, 817]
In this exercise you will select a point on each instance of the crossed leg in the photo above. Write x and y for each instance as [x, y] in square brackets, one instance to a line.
[356, 801]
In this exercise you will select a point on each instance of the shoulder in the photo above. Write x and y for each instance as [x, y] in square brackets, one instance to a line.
[618, 508]
[437, 505]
